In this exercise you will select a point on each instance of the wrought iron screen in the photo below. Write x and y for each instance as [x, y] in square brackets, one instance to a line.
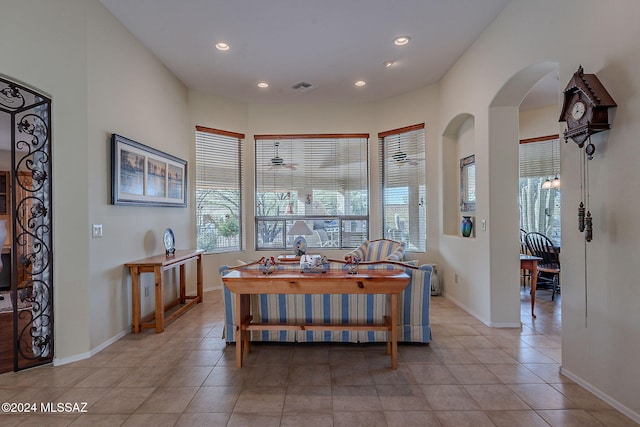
[31, 224]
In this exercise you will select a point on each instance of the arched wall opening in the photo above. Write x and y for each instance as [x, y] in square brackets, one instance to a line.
[503, 197]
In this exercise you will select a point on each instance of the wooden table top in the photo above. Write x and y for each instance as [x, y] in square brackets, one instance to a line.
[163, 260]
[332, 282]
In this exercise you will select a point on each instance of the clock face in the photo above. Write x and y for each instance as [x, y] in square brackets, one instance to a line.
[578, 110]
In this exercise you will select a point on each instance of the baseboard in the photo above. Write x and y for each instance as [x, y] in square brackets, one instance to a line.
[95, 350]
[82, 356]
[477, 316]
[635, 416]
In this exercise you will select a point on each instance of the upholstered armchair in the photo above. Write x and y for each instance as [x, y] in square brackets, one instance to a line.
[380, 250]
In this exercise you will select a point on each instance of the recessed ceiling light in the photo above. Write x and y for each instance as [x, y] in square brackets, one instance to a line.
[401, 41]
[263, 85]
[360, 83]
[222, 46]
[389, 64]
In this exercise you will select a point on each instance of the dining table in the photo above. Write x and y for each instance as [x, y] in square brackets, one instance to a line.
[530, 263]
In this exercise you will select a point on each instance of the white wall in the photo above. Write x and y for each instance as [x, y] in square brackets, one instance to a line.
[49, 54]
[600, 316]
[129, 93]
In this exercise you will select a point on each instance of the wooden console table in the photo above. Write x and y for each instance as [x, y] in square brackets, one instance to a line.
[157, 265]
[246, 282]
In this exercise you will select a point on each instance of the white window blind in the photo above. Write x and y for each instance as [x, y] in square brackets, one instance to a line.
[218, 190]
[540, 158]
[540, 207]
[321, 179]
[404, 186]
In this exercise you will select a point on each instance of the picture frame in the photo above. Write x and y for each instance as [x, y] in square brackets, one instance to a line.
[144, 176]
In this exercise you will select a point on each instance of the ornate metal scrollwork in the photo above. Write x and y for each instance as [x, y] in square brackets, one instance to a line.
[32, 277]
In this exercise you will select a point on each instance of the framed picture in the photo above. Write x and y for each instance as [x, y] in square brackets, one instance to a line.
[141, 175]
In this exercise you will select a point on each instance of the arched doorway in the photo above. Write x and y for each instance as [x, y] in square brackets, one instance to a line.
[504, 134]
[26, 320]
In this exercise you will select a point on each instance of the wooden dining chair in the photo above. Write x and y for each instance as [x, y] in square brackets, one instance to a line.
[549, 268]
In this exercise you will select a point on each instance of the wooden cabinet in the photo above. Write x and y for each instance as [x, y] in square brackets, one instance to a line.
[5, 192]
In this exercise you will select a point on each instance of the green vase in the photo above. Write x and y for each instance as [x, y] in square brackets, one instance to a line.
[466, 225]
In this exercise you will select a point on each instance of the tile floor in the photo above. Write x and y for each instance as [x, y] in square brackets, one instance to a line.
[470, 375]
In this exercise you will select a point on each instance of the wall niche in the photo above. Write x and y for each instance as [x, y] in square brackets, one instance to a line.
[458, 143]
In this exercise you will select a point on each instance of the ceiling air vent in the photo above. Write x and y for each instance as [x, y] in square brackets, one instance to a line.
[303, 87]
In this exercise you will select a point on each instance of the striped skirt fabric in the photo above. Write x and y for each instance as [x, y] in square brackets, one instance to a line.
[413, 312]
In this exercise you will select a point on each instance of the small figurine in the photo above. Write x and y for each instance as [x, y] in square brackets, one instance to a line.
[352, 263]
[268, 265]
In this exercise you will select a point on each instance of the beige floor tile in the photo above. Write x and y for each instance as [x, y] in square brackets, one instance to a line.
[240, 419]
[569, 418]
[473, 374]
[187, 376]
[351, 375]
[582, 398]
[309, 419]
[432, 374]
[514, 374]
[155, 420]
[516, 418]
[214, 399]
[225, 375]
[261, 399]
[470, 374]
[463, 419]
[612, 418]
[395, 397]
[411, 418]
[308, 398]
[99, 420]
[450, 356]
[309, 374]
[448, 398]
[355, 398]
[359, 419]
[105, 377]
[490, 356]
[495, 397]
[541, 396]
[193, 419]
[167, 400]
[49, 420]
[121, 400]
[146, 376]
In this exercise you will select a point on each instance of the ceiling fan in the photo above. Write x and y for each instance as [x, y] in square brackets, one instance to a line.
[278, 162]
[401, 158]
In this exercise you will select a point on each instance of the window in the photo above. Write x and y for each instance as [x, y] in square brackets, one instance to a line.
[218, 190]
[321, 179]
[540, 206]
[404, 186]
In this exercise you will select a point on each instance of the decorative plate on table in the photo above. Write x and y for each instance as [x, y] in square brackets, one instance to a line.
[300, 245]
[169, 242]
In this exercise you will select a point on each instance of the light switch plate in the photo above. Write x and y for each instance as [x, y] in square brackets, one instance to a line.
[97, 230]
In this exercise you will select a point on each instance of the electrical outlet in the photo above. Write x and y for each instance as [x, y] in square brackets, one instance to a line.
[455, 278]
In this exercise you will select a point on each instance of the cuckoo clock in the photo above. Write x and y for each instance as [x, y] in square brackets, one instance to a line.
[585, 109]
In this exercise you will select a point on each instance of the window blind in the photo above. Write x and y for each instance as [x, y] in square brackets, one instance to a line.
[540, 158]
[540, 207]
[219, 185]
[314, 178]
[404, 186]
